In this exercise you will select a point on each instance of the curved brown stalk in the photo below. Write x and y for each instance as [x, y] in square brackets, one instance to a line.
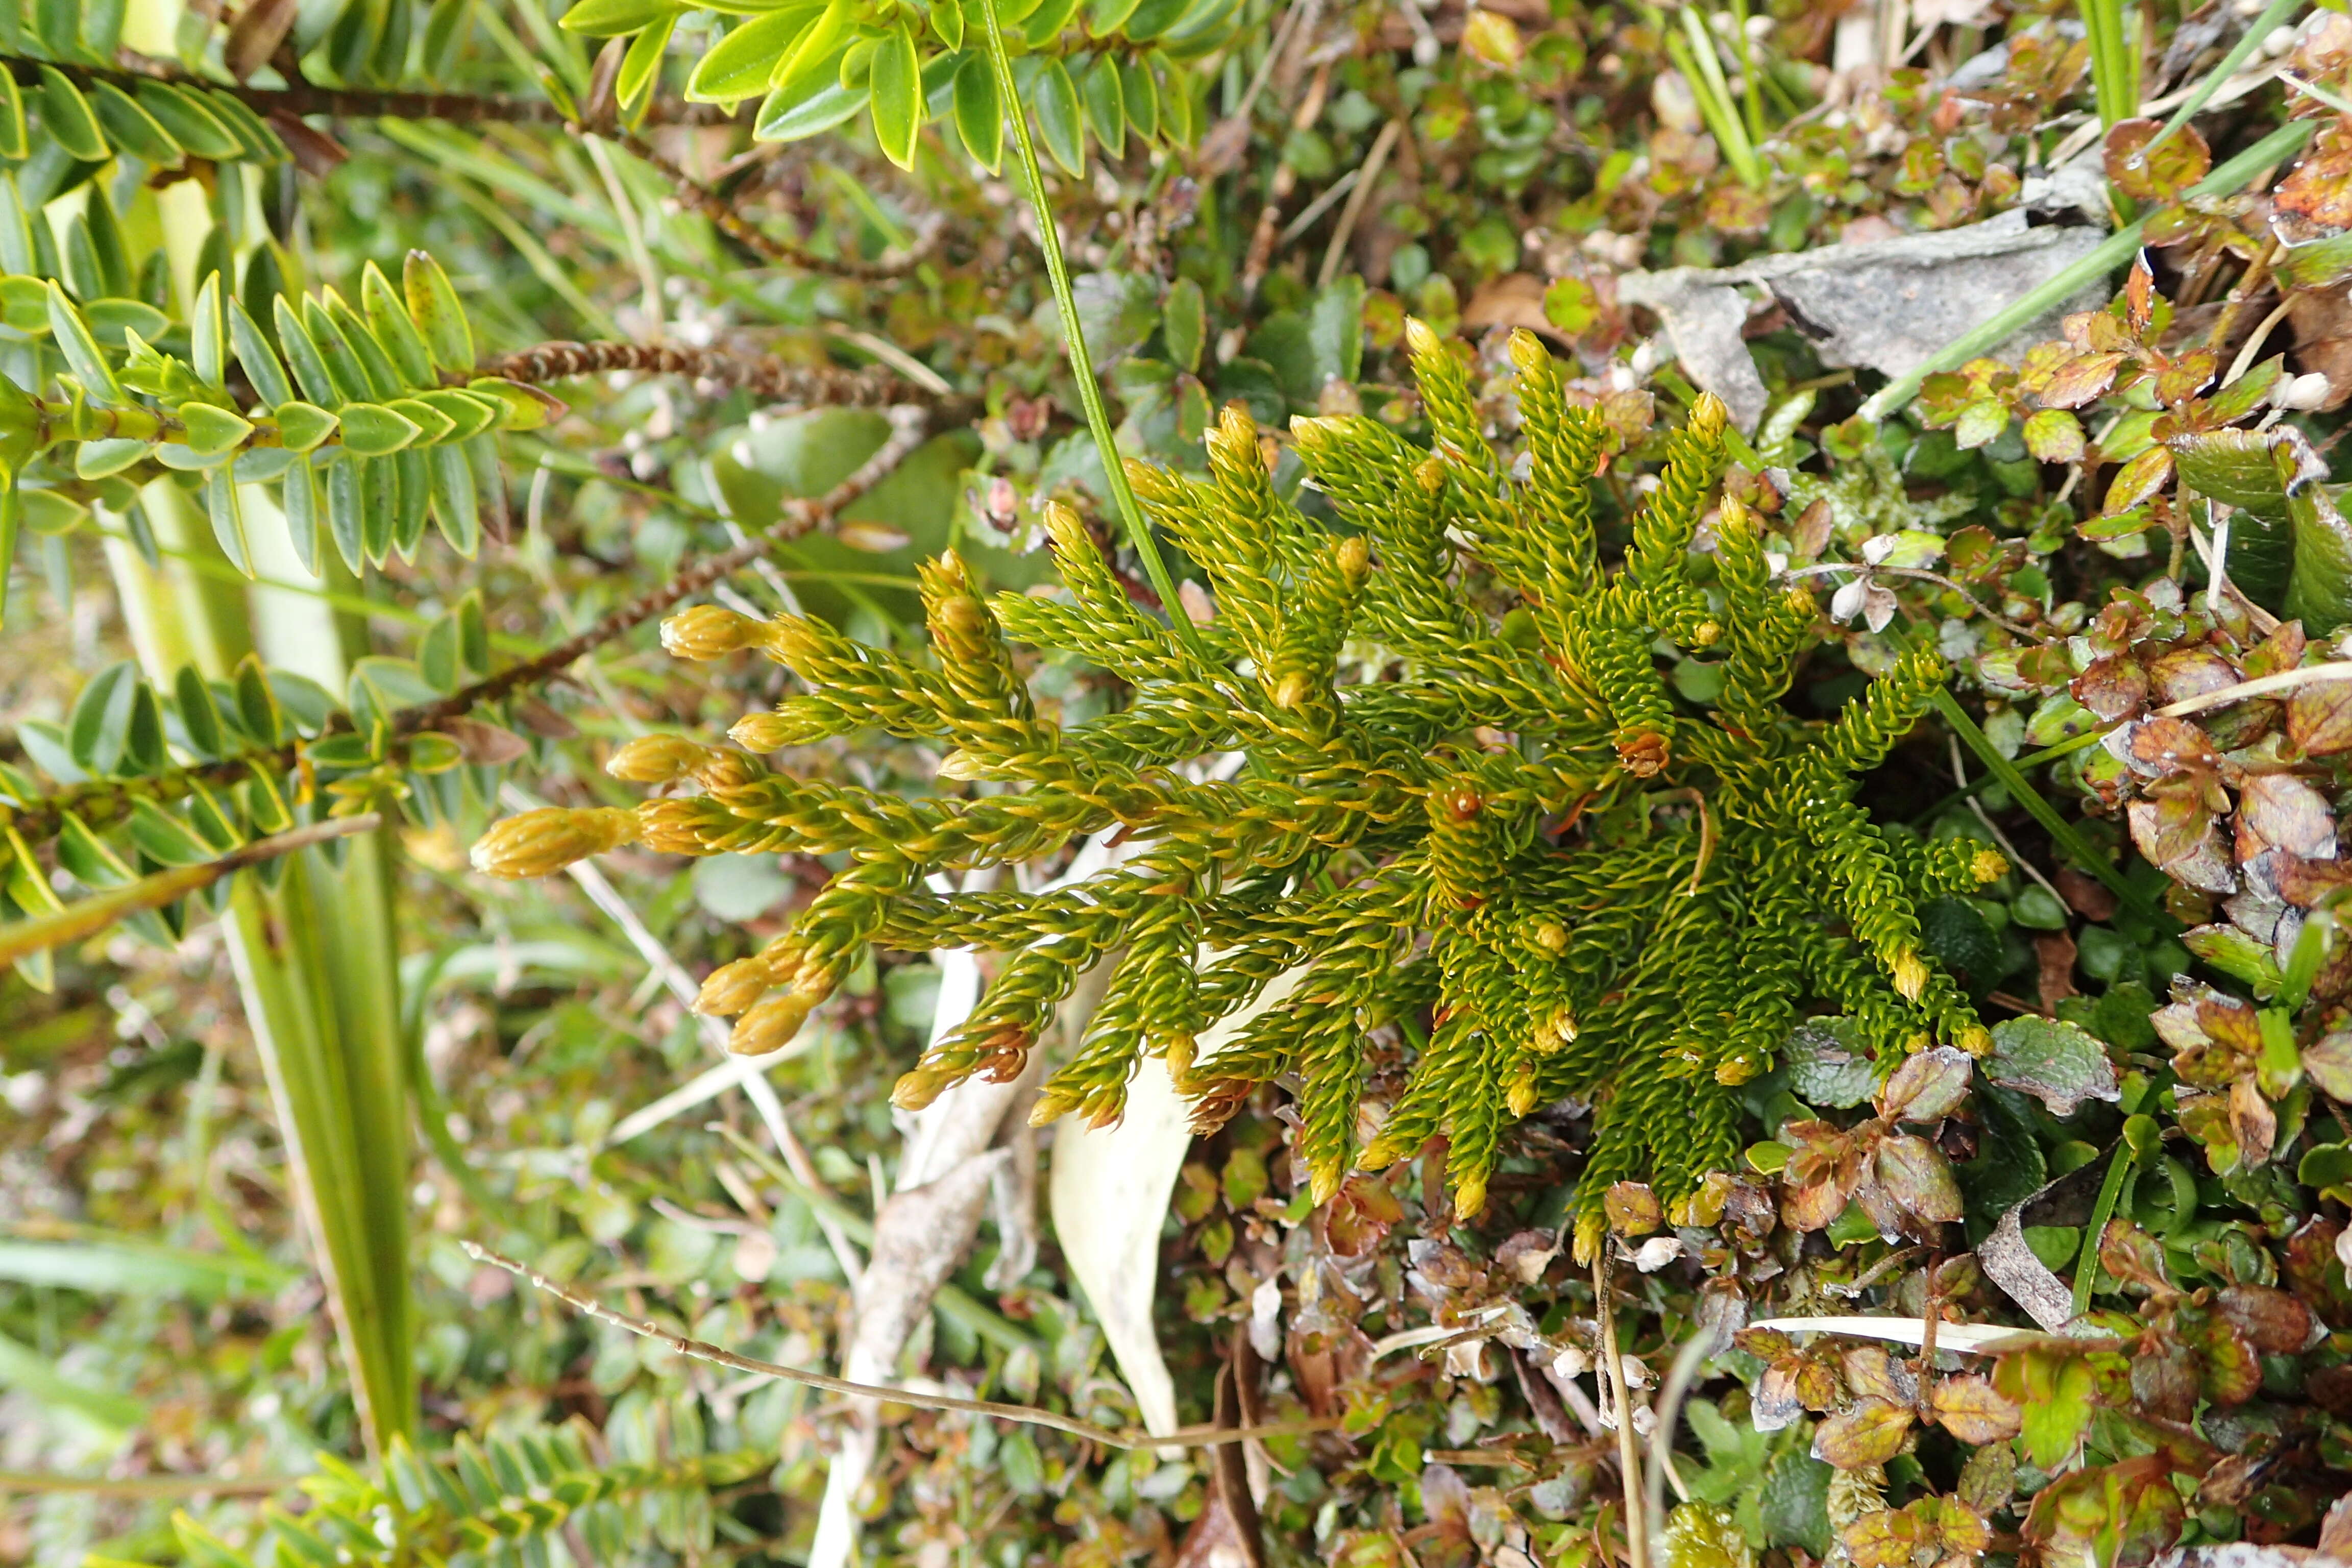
[766, 376]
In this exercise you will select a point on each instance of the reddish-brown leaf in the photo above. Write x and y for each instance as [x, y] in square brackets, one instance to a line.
[2164, 1381]
[2314, 1273]
[1972, 1410]
[2191, 672]
[1916, 1175]
[256, 34]
[1883, 1539]
[1871, 1374]
[2327, 1061]
[2319, 717]
[1871, 1433]
[2162, 746]
[2113, 687]
[2274, 1323]
[1813, 1206]
[2080, 379]
[2054, 953]
[2317, 195]
[2252, 1123]
[2138, 479]
[2139, 295]
[2283, 811]
[2232, 1374]
[1929, 1086]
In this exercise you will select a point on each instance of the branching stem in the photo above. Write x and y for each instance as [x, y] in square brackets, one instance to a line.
[766, 376]
[102, 802]
[1189, 1436]
[700, 198]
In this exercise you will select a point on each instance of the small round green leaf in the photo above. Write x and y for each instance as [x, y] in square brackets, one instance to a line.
[1106, 105]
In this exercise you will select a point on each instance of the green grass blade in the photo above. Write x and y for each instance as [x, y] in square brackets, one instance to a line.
[2273, 17]
[1049, 241]
[101, 1265]
[2061, 832]
[2115, 65]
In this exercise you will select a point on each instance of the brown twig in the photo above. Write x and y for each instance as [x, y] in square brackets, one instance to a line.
[1374, 161]
[1189, 1436]
[22, 939]
[698, 198]
[766, 376]
[105, 801]
[799, 517]
[340, 103]
[1629, 1456]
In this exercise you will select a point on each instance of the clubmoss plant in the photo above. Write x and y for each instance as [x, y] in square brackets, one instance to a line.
[1579, 883]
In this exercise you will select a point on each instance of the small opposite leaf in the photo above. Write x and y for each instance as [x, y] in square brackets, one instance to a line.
[82, 357]
[371, 430]
[67, 118]
[433, 306]
[1061, 122]
[897, 100]
[979, 114]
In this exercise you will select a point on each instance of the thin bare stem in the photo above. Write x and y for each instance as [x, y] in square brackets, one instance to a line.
[798, 517]
[1629, 1456]
[87, 918]
[765, 376]
[1374, 161]
[698, 198]
[1208, 1437]
[2262, 686]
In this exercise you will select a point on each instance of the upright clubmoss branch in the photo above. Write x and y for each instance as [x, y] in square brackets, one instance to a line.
[1057, 271]
[1375, 852]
